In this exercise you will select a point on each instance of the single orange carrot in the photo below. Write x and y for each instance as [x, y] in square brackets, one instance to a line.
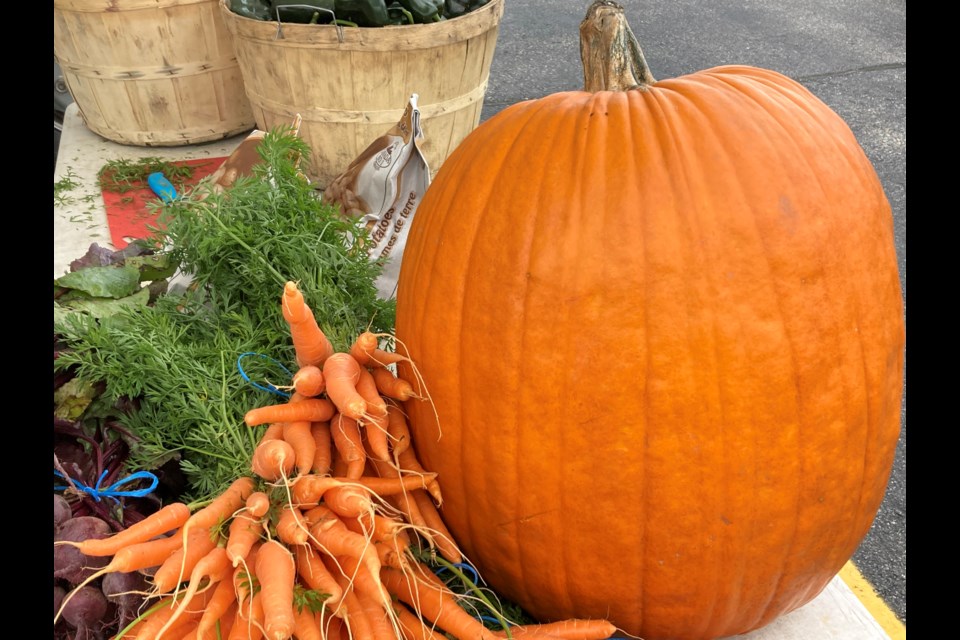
[258, 503]
[338, 466]
[217, 608]
[276, 572]
[335, 627]
[237, 633]
[349, 500]
[367, 388]
[308, 381]
[320, 513]
[336, 540]
[310, 489]
[181, 562]
[245, 578]
[166, 519]
[391, 486]
[348, 441]
[342, 372]
[273, 460]
[143, 555]
[306, 625]
[273, 432]
[299, 435]
[306, 491]
[398, 430]
[363, 345]
[244, 532]
[212, 567]
[310, 343]
[407, 459]
[309, 409]
[437, 529]
[222, 508]
[156, 620]
[394, 549]
[377, 437]
[189, 631]
[406, 505]
[354, 614]
[391, 385]
[322, 456]
[412, 627]
[365, 584]
[224, 626]
[366, 349]
[376, 528]
[435, 603]
[221, 626]
[380, 358]
[315, 574]
[248, 623]
[573, 629]
[379, 613]
[291, 526]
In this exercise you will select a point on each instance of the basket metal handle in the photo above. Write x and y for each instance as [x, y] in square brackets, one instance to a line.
[279, 34]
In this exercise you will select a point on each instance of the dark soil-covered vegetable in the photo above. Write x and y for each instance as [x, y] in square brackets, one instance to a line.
[68, 563]
[126, 591]
[85, 612]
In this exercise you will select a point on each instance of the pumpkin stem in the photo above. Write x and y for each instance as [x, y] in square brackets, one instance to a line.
[611, 56]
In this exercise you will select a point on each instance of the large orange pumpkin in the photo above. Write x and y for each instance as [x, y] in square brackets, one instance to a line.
[662, 330]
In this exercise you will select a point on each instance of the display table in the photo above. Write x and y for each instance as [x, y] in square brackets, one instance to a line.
[80, 218]
[836, 614]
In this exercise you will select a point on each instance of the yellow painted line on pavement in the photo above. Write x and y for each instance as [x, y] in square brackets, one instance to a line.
[865, 592]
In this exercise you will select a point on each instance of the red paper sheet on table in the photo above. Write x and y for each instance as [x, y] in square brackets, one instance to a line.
[128, 213]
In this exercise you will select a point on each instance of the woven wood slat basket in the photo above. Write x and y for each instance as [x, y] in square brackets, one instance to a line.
[151, 72]
[351, 84]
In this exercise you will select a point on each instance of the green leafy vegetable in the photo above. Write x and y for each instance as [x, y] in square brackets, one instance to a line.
[71, 400]
[98, 307]
[105, 282]
[157, 266]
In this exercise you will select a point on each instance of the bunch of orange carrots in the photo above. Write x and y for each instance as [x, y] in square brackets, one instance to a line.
[319, 541]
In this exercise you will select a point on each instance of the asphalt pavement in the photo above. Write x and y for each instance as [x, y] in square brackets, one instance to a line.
[850, 53]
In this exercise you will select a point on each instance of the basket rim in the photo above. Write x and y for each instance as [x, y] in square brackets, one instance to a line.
[387, 38]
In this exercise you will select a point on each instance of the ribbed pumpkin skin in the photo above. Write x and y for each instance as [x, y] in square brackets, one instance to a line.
[663, 333]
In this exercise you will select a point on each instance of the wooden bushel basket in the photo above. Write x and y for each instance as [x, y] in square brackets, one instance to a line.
[351, 84]
[151, 72]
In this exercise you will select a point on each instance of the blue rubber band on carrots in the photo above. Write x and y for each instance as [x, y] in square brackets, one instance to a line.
[466, 568]
[113, 491]
[267, 387]
[489, 619]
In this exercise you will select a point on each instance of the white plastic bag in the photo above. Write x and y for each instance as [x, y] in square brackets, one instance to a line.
[382, 189]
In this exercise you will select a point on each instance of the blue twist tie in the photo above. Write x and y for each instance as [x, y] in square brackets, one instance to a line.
[464, 567]
[490, 620]
[269, 387]
[113, 491]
